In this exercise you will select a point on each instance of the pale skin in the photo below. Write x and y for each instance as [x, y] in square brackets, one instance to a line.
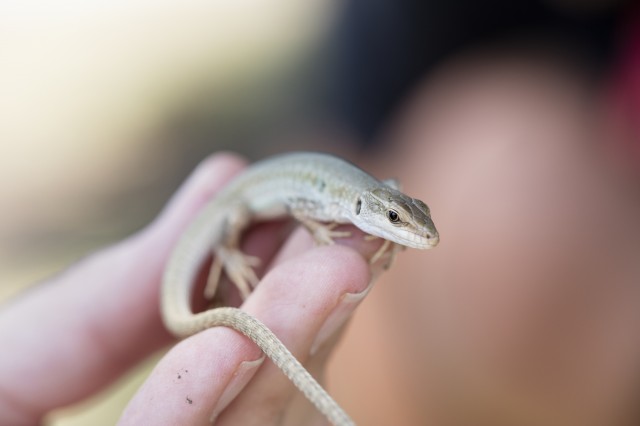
[107, 306]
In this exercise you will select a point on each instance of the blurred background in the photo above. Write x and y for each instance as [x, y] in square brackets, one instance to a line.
[105, 107]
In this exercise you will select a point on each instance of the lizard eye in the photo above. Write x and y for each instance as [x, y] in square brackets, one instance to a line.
[393, 217]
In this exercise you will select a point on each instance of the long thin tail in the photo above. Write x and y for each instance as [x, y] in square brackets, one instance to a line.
[273, 348]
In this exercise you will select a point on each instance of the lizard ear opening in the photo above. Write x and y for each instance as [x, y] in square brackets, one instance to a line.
[358, 206]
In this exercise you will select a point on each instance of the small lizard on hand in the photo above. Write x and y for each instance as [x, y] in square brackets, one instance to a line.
[318, 190]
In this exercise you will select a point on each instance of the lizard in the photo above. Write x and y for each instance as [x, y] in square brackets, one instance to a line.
[318, 190]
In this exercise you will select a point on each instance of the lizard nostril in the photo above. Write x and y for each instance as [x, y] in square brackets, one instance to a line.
[432, 238]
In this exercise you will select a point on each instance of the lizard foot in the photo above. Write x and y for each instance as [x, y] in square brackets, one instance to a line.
[388, 249]
[325, 234]
[238, 267]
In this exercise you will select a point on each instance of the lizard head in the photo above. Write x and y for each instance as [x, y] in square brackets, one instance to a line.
[388, 213]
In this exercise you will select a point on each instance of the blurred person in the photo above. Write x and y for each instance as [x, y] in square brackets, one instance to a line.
[528, 311]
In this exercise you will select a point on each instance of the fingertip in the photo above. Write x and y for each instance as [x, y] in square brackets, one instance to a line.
[343, 263]
[216, 167]
[296, 296]
[342, 266]
[206, 179]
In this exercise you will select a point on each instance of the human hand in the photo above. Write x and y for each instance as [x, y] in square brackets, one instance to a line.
[67, 338]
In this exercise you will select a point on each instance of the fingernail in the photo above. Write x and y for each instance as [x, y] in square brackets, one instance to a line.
[241, 377]
[337, 318]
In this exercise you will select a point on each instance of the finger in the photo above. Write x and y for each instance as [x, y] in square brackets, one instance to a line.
[205, 372]
[63, 340]
[304, 300]
[192, 377]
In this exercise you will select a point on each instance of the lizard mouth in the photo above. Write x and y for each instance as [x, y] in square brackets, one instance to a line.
[420, 240]
[423, 238]
[423, 241]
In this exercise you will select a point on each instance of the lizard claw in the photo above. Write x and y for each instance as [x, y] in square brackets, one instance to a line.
[388, 249]
[238, 266]
[325, 234]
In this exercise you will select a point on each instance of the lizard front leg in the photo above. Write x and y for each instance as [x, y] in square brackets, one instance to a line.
[322, 233]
